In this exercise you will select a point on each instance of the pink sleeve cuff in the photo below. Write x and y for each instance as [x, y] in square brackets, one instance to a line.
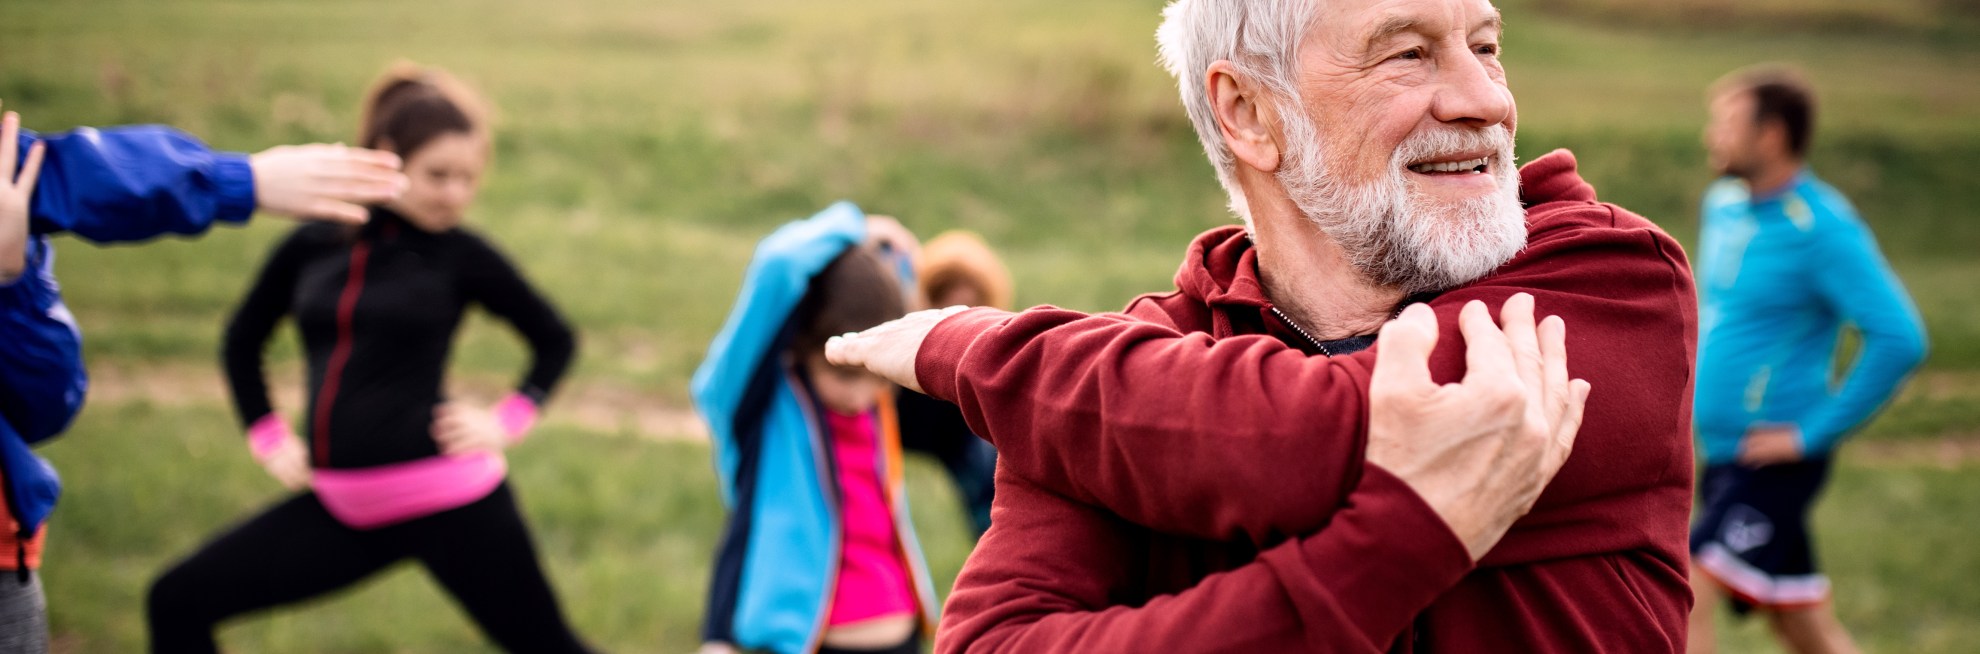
[516, 413]
[267, 434]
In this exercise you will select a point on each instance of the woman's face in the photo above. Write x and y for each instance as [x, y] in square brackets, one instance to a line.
[445, 174]
[843, 390]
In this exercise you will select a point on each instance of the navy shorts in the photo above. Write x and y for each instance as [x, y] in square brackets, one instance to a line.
[1752, 533]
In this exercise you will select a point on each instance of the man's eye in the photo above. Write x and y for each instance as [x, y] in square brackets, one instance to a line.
[1488, 49]
[1409, 55]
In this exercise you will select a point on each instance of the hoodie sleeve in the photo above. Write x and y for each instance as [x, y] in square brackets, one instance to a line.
[270, 299]
[1858, 285]
[1194, 436]
[42, 381]
[134, 183]
[1046, 577]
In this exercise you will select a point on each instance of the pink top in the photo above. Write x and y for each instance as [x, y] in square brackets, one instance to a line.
[873, 580]
[381, 496]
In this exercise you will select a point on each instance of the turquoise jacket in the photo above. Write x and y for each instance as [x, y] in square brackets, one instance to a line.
[1779, 276]
[779, 555]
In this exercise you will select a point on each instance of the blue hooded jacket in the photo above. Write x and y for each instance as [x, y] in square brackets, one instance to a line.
[110, 185]
[779, 554]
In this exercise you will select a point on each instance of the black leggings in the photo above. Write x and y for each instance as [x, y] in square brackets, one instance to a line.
[481, 553]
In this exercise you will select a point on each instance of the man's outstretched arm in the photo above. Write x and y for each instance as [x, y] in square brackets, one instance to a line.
[1185, 435]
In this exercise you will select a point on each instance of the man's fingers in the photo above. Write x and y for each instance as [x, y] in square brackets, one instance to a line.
[1487, 356]
[1516, 322]
[1555, 387]
[30, 169]
[845, 350]
[1402, 357]
[1569, 429]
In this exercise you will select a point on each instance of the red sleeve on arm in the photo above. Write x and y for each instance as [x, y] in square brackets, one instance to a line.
[1162, 428]
[1044, 579]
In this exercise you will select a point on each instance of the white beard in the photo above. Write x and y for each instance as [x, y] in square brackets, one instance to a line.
[1395, 236]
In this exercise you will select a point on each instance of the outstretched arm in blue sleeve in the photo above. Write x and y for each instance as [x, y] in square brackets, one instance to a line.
[41, 373]
[134, 183]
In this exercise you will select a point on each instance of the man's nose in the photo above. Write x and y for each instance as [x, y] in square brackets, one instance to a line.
[1469, 94]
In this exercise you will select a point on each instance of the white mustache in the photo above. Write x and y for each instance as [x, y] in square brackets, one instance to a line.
[1432, 144]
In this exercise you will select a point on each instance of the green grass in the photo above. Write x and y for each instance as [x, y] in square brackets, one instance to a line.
[644, 146]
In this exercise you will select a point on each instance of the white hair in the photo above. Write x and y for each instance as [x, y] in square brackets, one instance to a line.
[1259, 37]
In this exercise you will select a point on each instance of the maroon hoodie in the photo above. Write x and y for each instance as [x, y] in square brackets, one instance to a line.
[1189, 476]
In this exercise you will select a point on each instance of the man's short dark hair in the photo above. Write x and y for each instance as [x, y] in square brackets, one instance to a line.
[1781, 94]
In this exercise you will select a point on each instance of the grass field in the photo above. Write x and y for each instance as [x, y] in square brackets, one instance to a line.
[644, 146]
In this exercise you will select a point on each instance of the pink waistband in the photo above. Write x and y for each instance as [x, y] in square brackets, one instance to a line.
[380, 496]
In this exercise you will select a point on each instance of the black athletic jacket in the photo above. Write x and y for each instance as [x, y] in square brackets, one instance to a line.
[377, 308]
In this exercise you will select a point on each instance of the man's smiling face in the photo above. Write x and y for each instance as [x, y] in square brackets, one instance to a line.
[1400, 146]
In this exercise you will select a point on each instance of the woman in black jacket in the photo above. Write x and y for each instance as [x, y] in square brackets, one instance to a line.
[394, 469]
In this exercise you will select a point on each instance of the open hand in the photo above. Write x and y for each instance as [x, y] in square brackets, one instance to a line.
[325, 182]
[888, 350]
[16, 197]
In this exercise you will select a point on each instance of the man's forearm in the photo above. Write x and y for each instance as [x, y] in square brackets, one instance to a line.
[1175, 432]
[1352, 588]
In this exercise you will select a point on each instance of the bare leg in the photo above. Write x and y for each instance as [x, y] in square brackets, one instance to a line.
[1706, 598]
[1812, 630]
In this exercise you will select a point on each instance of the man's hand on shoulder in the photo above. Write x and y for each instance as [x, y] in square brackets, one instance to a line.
[1480, 451]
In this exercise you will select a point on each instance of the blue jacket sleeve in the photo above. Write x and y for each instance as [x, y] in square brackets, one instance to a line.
[41, 373]
[1860, 287]
[779, 274]
[135, 183]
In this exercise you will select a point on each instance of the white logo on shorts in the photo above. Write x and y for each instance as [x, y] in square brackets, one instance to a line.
[1745, 528]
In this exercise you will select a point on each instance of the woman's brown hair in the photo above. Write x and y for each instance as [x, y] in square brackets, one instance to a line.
[854, 292]
[410, 105]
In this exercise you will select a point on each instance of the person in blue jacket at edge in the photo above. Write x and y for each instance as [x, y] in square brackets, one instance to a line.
[116, 185]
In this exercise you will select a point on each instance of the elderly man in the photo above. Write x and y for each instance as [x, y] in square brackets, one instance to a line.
[1228, 467]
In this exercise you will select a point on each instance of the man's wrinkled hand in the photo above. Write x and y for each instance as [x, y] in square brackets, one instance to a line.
[889, 349]
[1479, 451]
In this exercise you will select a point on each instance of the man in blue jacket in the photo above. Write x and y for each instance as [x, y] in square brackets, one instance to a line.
[1784, 264]
[116, 185]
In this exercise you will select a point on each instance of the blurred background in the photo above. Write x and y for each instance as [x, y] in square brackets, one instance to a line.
[644, 146]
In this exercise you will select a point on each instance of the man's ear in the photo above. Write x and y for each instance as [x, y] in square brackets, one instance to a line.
[1245, 116]
[1771, 139]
